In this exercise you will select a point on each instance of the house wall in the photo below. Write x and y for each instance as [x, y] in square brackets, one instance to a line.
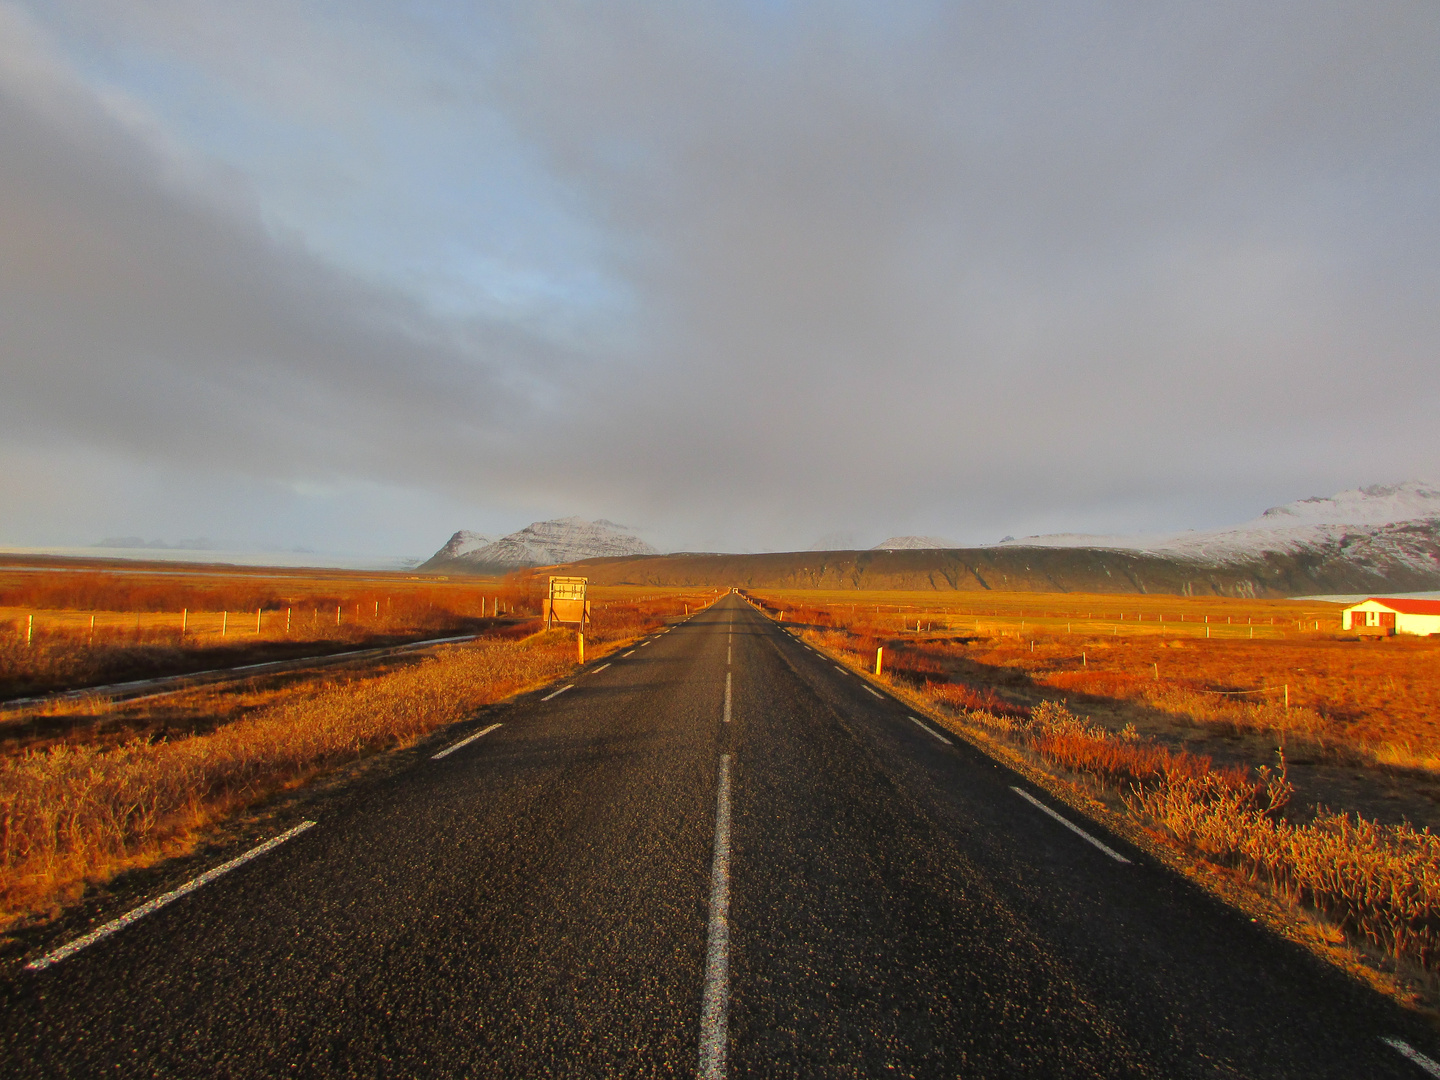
[1381, 619]
[1363, 615]
[1417, 624]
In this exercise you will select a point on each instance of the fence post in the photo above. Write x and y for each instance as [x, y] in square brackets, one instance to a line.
[581, 639]
[879, 659]
[257, 620]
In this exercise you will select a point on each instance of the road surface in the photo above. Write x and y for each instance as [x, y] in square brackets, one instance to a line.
[614, 879]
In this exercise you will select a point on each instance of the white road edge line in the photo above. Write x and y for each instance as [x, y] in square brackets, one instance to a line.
[715, 1002]
[841, 670]
[599, 669]
[928, 730]
[727, 697]
[876, 693]
[1428, 1064]
[463, 742]
[151, 906]
[557, 693]
[1069, 825]
[630, 653]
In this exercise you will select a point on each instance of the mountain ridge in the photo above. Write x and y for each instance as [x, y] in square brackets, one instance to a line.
[1376, 539]
[541, 543]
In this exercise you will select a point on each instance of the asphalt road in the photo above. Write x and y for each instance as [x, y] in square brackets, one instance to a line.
[617, 880]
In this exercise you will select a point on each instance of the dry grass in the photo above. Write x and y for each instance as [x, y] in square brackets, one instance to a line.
[62, 629]
[82, 805]
[76, 813]
[1378, 884]
[1373, 699]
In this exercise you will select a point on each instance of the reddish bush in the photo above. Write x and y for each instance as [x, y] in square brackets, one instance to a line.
[967, 698]
[1119, 762]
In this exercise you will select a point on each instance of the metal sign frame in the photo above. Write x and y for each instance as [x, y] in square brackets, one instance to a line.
[566, 602]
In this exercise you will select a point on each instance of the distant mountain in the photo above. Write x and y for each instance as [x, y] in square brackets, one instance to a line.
[912, 543]
[463, 543]
[121, 542]
[1371, 540]
[1384, 528]
[542, 543]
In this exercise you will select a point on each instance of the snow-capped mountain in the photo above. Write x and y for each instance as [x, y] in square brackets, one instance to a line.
[913, 543]
[544, 543]
[1394, 525]
[462, 543]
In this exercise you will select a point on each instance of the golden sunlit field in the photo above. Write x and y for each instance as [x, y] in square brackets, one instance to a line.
[90, 788]
[1251, 733]
[66, 628]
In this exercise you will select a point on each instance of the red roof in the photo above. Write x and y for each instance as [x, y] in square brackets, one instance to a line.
[1406, 606]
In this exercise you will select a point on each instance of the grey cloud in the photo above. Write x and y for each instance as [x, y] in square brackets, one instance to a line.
[171, 326]
[966, 269]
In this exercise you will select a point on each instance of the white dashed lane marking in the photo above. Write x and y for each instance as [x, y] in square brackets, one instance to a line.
[930, 731]
[1070, 825]
[715, 1000]
[160, 901]
[1430, 1065]
[557, 693]
[463, 742]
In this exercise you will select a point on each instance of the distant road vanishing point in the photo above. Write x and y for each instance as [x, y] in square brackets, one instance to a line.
[713, 855]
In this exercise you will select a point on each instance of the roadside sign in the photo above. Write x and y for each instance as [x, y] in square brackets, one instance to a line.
[566, 602]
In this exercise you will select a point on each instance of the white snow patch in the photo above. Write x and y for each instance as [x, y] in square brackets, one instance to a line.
[544, 543]
[911, 543]
[1395, 522]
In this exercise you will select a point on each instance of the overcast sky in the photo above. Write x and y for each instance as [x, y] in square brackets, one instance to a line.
[352, 275]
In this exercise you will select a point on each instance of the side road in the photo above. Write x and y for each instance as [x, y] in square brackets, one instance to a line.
[171, 684]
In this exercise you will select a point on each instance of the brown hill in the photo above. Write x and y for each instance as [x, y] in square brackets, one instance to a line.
[1037, 569]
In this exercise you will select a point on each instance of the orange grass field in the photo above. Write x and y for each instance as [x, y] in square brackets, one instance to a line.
[83, 798]
[66, 628]
[1380, 697]
[1024, 669]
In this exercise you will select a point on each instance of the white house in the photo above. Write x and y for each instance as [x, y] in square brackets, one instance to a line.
[1391, 615]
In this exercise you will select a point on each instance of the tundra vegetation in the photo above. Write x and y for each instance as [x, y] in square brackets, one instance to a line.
[65, 629]
[90, 788]
[1253, 736]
